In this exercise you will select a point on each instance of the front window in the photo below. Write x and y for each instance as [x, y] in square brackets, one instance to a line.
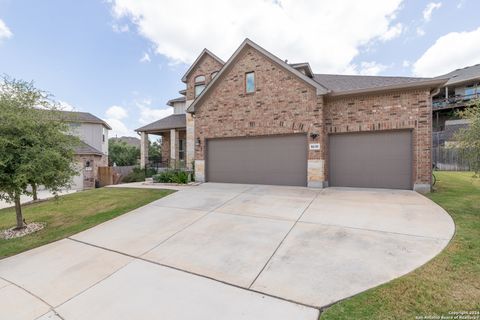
[198, 89]
[199, 85]
[250, 82]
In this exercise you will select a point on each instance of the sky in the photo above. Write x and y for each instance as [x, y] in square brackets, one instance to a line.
[122, 60]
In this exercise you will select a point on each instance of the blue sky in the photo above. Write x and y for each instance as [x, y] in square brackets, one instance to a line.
[89, 53]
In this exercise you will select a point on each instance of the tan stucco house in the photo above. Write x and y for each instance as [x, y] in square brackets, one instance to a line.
[93, 149]
[258, 119]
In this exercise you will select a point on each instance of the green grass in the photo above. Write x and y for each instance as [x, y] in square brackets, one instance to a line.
[450, 282]
[73, 213]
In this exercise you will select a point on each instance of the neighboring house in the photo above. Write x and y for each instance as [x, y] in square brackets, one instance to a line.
[93, 150]
[460, 91]
[257, 119]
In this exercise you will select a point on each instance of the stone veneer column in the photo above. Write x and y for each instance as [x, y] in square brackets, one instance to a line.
[173, 147]
[316, 177]
[143, 150]
[190, 139]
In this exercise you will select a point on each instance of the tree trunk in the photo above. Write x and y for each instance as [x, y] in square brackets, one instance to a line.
[34, 191]
[18, 211]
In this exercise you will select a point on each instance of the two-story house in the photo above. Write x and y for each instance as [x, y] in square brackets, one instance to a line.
[460, 91]
[257, 119]
[93, 150]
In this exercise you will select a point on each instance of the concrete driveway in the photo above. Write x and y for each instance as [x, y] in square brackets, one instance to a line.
[228, 251]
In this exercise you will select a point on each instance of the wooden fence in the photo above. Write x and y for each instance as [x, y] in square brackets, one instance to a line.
[449, 159]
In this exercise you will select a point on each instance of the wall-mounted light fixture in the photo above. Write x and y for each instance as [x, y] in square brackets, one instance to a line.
[314, 135]
[198, 142]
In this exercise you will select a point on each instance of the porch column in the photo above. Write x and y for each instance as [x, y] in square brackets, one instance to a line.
[143, 150]
[173, 147]
[190, 141]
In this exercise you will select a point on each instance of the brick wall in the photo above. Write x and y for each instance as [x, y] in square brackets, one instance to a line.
[284, 104]
[205, 67]
[399, 110]
[281, 104]
[90, 175]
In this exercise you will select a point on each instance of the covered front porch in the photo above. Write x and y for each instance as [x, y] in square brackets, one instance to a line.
[174, 151]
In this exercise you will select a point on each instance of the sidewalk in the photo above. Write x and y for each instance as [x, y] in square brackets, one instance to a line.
[42, 194]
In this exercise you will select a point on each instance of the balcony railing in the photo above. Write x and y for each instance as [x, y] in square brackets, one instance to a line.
[457, 101]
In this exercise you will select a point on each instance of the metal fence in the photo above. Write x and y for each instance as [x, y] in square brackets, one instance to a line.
[450, 159]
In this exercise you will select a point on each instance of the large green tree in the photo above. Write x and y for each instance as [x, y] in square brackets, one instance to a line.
[35, 147]
[122, 154]
[469, 138]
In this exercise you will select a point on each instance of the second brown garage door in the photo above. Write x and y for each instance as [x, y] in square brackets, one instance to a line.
[371, 160]
[276, 160]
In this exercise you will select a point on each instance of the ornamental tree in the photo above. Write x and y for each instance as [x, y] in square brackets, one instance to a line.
[35, 147]
[469, 138]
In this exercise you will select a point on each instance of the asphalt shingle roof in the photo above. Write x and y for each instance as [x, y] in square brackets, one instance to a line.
[85, 148]
[341, 83]
[462, 75]
[179, 99]
[173, 121]
[83, 117]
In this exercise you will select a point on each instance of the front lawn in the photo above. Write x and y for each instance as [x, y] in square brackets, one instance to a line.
[448, 283]
[73, 213]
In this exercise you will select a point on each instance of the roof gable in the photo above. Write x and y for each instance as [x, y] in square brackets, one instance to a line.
[82, 117]
[203, 53]
[247, 42]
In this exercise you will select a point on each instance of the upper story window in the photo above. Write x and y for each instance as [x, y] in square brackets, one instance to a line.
[199, 79]
[213, 74]
[199, 85]
[250, 82]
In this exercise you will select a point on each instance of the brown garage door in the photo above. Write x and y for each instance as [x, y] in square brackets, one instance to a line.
[277, 160]
[371, 160]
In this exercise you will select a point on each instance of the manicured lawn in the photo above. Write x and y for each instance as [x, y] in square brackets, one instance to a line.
[73, 213]
[450, 282]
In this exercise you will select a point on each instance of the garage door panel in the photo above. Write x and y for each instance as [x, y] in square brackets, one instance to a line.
[374, 160]
[277, 160]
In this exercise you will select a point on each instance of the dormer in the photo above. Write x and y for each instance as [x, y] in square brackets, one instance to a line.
[303, 67]
[201, 72]
[178, 105]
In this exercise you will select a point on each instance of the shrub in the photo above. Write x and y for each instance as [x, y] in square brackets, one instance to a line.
[171, 176]
[139, 175]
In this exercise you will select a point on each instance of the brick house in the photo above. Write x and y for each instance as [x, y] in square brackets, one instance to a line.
[258, 119]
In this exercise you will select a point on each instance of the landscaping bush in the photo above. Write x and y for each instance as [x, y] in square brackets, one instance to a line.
[171, 176]
[139, 175]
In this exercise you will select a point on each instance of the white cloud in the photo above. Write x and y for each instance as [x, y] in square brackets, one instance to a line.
[120, 28]
[420, 31]
[451, 51]
[116, 112]
[65, 106]
[328, 34]
[427, 12]
[392, 32]
[148, 114]
[406, 63]
[5, 32]
[114, 116]
[371, 68]
[119, 129]
[145, 58]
